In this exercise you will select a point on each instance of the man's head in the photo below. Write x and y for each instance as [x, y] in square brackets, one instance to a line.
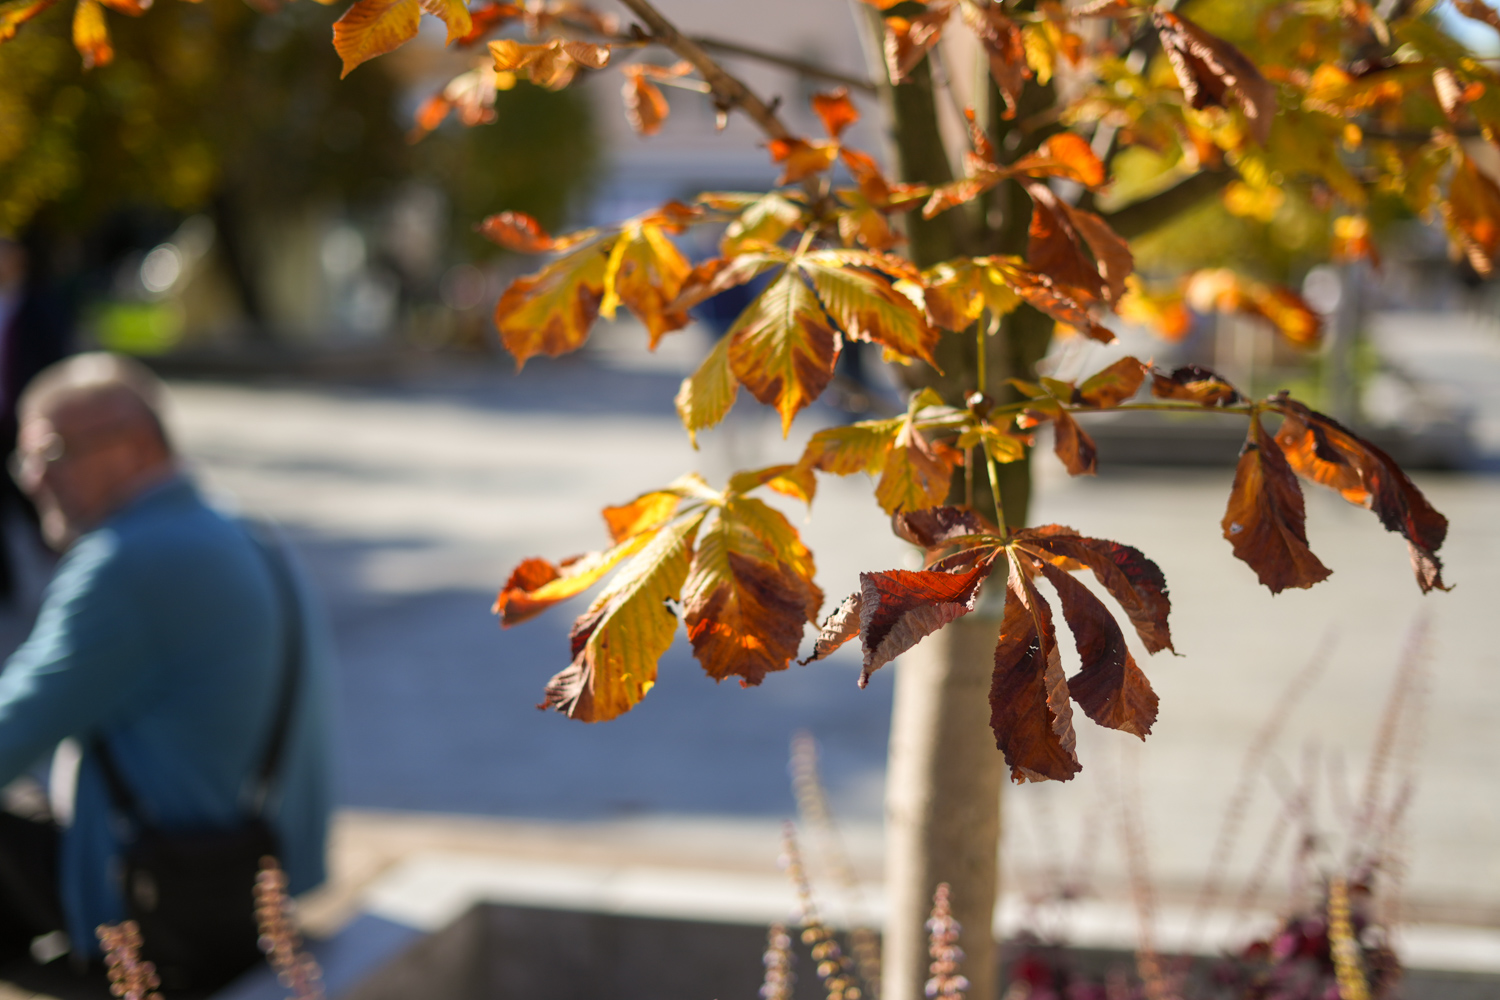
[91, 440]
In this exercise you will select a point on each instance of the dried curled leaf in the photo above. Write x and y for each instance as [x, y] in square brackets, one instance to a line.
[901, 607]
[1472, 211]
[517, 231]
[552, 64]
[1266, 522]
[1194, 384]
[1062, 238]
[835, 110]
[907, 41]
[1109, 687]
[1004, 45]
[1213, 72]
[1030, 711]
[1323, 450]
[1133, 580]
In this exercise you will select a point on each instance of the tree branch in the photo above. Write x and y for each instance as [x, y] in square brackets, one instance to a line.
[728, 91]
[798, 66]
[1140, 217]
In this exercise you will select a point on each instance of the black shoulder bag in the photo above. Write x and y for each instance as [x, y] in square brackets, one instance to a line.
[191, 891]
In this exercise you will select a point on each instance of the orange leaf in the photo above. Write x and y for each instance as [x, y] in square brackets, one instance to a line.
[1073, 446]
[645, 105]
[1472, 212]
[552, 65]
[1066, 155]
[1266, 522]
[782, 348]
[1029, 708]
[802, 158]
[645, 513]
[1113, 385]
[907, 41]
[486, 18]
[1003, 43]
[1042, 293]
[1323, 450]
[1056, 247]
[1352, 240]
[517, 231]
[454, 14]
[371, 28]
[1110, 687]
[18, 12]
[835, 110]
[91, 34]
[552, 311]
[749, 593]
[1211, 71]
[1195, 384]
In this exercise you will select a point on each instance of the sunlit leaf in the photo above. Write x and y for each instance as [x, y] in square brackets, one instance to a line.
[552, 311]
[645, 272]
[782, 348]
[1213, 72]
[91, 34]
[1472, 211]
[801, 159]
[1067, 155]
[1266, 522]
[552, 64]
[1006, 48]
[866, 305]
[1194, 384]
[1133, 580]
[1323, 450]
[907, 41]
[15, 13]
[618, 641]
[645, 105]
[901, 607]
[707, 395]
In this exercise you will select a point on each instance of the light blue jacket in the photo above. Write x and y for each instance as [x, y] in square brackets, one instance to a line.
[162, 631]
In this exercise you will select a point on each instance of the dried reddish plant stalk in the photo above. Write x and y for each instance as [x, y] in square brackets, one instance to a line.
[942, 945]
[130, 978]
[834, 967]
[279, 938]
[779, 978]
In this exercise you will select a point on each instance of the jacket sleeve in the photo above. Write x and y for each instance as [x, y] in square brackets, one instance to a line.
[84, 663]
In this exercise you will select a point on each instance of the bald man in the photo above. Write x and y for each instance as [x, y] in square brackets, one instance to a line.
[160, 635]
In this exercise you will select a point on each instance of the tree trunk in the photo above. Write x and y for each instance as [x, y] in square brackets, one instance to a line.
[943, 806]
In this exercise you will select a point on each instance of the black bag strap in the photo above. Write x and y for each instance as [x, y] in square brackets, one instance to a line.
[291, 671]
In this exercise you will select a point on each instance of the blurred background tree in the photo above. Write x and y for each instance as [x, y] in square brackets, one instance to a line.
[237, 117]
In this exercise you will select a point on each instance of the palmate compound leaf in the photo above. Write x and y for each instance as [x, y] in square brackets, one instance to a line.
[784, 345]
[1266, 522]
[1323, 450]
[552, 311]
[738, 567]
[1030, 713]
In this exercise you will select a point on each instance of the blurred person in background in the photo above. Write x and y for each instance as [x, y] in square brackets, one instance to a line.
[160, 650]
[33, 335]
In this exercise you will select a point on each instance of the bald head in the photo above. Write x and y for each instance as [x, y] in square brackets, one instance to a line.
[91, 441]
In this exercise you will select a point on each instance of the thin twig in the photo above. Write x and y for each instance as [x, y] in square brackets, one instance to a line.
[728, 91]
[799, 66]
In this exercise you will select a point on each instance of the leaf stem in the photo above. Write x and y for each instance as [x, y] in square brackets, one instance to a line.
[995, 491]
[1240, 411]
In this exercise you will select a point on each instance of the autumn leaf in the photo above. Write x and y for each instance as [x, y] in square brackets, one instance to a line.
[1323, 450]
[552, 311]
[783, 346]
[1194, 384]
[1110, 687]
[957, 292]
[858, 447]
[618, 641]
[835, 111]
[1066, 155]
[1061, 239]
[865, 304]
[645, 272]
[750, 592]
[801, 158]
[517, 231]
[907, 41]
[1266, 522]
[1030, 711]
[1074, 448]
[486, 17]
[552, 64]
[536, 584]
[1113, 385]
[916, 473]
[913, 472]
[1479, 11]
[1004, 45]
[1045, 295]
[1472, 211]
[91, 34]
[901, 607]
[707, 395]
[1164, 312]
[1353, 240]
[15, 13]
[938, 527]
[1222, 290]
[1133, 580]
[645, 105]
[765, 220]
[1211, 72]
[371, 28]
